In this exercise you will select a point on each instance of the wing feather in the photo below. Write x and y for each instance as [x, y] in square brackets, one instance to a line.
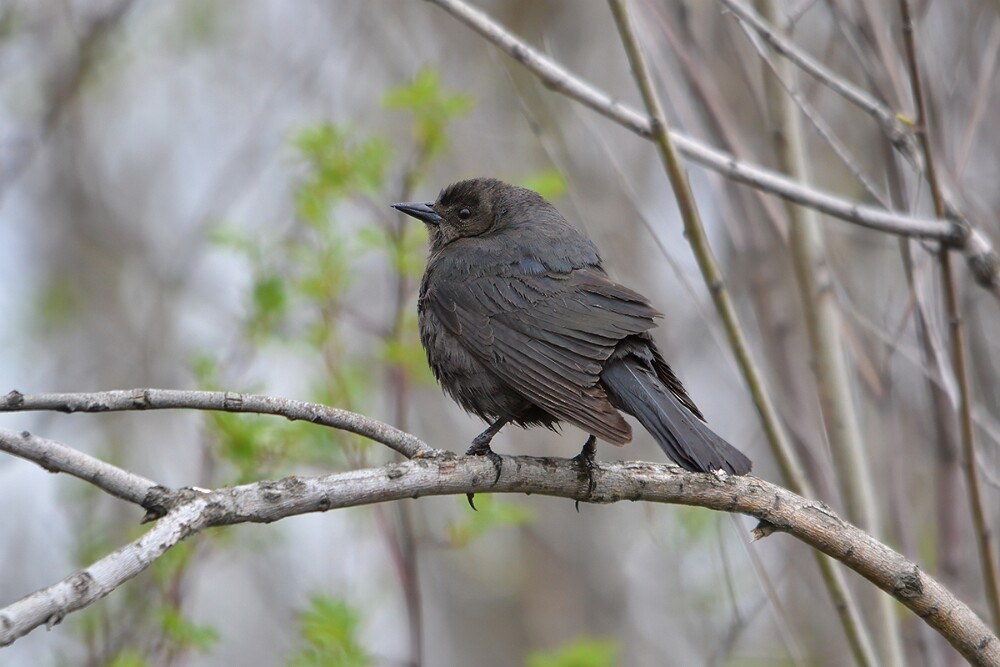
[547, 336]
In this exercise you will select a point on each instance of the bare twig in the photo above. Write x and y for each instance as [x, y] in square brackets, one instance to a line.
[984, 88]
[263, 502]
[562, 81]
[983, 261]
[987, 550]
[695, 233]
[823, 322]
[57, 457]
[60, 98]
[784, 76]
[893, 128]
[173, 399]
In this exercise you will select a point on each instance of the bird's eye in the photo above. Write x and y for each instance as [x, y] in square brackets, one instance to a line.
[464, 214]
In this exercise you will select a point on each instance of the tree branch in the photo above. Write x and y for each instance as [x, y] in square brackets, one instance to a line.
[897, 133]
[57, 457]
[445, 474]
[174, 399]
[844, 604]
[980, 521]
[983, 261]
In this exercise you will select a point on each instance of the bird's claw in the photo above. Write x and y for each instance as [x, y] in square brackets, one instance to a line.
[481, 447]
[584, 463]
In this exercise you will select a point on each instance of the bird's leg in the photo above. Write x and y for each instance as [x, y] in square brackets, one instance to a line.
[584, 462]
[481, 447]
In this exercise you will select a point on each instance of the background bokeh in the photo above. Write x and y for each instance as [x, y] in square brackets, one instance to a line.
[195, 195]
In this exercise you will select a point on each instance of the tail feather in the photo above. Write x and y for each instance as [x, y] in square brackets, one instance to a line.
[683, 437]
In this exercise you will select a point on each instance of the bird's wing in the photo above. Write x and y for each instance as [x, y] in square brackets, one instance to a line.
[547, 336]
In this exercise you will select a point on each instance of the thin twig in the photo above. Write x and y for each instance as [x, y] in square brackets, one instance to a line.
[893, 128]
[987, 550]
[777, 509]
[823, 323]
[983, 261]
[784, 77]
[989, 59]
[57, 457]
[695, 233]
[173, 399]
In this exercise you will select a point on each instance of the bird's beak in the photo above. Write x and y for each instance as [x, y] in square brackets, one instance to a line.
[421, 211]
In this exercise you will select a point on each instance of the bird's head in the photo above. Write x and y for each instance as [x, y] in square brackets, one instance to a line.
[475, 207]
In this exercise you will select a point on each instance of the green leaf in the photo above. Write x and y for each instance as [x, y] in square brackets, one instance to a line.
[549, 183]
[432, 109]
[337, 165]
[581, 652]
[270, 301]
[205, 369]
[233, 238]
[329, 629]
[249, 443]
[492, 514]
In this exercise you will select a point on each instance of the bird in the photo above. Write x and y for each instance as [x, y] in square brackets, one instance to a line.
[521, 324]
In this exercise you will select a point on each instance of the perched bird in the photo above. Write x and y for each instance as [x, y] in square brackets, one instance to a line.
[522, 325]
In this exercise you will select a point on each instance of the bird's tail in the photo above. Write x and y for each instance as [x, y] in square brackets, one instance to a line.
[687, 440]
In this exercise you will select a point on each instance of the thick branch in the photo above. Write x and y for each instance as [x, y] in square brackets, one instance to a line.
[173, 399]
[263, 502]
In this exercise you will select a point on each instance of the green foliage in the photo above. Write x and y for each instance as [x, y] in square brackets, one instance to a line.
[129, 657]
[270, 300]
[549, 183]
[432, 109]
[185, 634]
[492, 513]
[328, 630]
[696, 523]
[301, 275]
[55, 307]
[253, 444]
[172, 564]
[336, 166]
[581, 652]
[205, 369]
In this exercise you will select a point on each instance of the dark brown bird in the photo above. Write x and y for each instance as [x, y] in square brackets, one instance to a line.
[521, 324]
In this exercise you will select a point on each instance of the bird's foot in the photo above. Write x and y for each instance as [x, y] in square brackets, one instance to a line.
[481, 447]
[584, 463]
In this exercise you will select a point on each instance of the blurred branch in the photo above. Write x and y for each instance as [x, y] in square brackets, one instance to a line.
[65, 89]
[694, 230]
[174, 399]
[777, 509]
[987, 550]
[835, 386]
[982, 259]
[887, 119]
[784, 75]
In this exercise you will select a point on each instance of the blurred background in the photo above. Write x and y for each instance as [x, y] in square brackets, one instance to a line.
[195, 195]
